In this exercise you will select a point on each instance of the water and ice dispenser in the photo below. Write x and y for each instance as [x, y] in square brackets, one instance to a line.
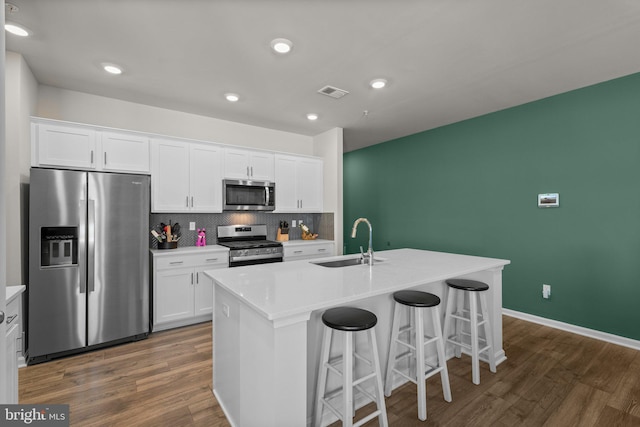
[58, 246]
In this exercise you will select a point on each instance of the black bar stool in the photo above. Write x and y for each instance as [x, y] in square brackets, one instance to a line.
[349, 320]
[459, 290]
[418, 302]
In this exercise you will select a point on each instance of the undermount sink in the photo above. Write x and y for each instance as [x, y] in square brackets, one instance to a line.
[345, 262]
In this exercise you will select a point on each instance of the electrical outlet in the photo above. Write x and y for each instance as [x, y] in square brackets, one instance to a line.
[225, 310]
[192, 226]
[293, 223]
[546, 291]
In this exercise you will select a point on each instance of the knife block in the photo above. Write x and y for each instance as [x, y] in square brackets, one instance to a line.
[283, 235]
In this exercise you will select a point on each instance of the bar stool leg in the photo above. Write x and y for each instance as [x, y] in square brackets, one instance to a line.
[442, 361]
[420, 374]
[475, 356]
[322, 376]
[382, 418]
[447, 316]
[488, 332]
[393, 346]
[347, 379]
[459, 325]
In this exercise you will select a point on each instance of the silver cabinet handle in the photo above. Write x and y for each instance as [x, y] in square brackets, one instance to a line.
[187, 201]
[297, 252]
[211, 259]
[197, 278]
[251, 171]
[176, 262]
[322, 249]
[105, 158]
[91, 156]
[192, 278]
[191, 201]
[248, 171]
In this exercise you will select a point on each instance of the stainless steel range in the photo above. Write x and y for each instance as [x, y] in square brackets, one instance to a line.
[248, 245]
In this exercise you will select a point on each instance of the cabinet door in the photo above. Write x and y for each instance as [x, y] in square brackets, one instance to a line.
[236, 164]
[247, 164]
[173, 297]
[203, 291]
[124, 152]
[310, 188]
[169, 176]
[12, 365]
[261, 166]
[285, 177]
[65, 146]
[205, 178]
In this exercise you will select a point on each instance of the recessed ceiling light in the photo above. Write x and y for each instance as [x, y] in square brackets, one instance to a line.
[312, 116]
[378, 83]
[112, 69]
[281, 46]
[16, 29]
[231, 97]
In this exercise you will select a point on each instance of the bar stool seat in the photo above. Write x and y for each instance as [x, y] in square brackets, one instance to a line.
[348, 321]
[418, 302]
[470, 339]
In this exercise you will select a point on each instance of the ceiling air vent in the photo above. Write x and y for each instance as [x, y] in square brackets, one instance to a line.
[333, 92]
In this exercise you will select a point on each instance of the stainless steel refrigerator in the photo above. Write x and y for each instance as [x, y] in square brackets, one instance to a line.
[88, 261]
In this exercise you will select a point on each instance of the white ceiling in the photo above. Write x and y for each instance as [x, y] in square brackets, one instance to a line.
[445, 60]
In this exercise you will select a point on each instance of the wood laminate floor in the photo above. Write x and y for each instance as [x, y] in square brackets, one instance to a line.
[551, 378]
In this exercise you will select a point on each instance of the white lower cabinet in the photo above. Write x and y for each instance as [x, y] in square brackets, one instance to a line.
[14, 343]
[182, 293]
[296, 250]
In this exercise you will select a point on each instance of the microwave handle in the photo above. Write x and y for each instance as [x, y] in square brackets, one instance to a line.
[266, 192]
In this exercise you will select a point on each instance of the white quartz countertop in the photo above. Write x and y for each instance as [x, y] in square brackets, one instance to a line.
[14, 291]
[282, 290]
[189, 250]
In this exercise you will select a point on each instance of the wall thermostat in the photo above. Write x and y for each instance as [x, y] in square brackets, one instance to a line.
[548, 200]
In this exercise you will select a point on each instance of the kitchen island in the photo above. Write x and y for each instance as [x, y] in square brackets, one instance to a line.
[267, 326]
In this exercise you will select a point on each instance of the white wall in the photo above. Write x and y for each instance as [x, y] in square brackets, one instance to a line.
[329, 146]
[3, 225]
[79, 107]
[20, 93]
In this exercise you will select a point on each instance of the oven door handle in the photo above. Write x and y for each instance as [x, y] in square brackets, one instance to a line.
[254, 257]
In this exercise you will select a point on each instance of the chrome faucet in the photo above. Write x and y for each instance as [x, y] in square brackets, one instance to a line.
[369, 254]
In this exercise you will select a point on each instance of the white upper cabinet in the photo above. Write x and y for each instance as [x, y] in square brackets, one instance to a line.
[299, 184]
[169, 176]
[124, 152]
[185, 177]
[64, 146]
[248, 164]
[69, 145]
[205, 178]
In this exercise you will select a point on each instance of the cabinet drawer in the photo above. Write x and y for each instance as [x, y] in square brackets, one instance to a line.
[213, 258]
[311, 250]
[192, 260]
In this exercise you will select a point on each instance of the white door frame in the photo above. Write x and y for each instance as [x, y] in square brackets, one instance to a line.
[3, 220]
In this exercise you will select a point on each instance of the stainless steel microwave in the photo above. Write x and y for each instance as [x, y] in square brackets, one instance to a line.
[243, 195]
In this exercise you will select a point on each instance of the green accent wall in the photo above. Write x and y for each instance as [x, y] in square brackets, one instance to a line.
[471, 188]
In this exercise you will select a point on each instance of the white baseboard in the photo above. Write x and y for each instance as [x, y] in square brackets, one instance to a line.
[591, 333]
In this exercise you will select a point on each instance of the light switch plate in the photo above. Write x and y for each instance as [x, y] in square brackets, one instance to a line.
[192, 226]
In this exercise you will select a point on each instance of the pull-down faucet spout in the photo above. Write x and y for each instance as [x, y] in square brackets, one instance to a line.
[353, 235]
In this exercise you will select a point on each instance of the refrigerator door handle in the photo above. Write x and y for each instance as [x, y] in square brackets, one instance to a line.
[91, 245]
[82, 215]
